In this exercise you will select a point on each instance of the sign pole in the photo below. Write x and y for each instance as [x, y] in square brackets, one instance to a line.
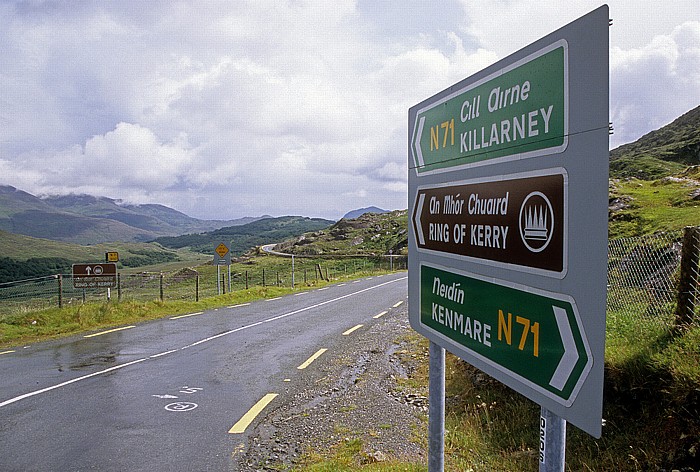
[552, 442]
[218, 279]
[229, 278]
[436, 409]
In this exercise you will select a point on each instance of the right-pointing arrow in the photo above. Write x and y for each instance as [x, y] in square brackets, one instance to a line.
[570, 357]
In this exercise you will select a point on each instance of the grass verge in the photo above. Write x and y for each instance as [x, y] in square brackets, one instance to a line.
[32, 326]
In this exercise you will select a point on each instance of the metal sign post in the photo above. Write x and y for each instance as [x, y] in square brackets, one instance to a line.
[222, 256]
[508, 207]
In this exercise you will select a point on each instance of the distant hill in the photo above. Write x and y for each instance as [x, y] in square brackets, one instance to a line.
[23, 257]
[243, 237]
[86, 219]
[660, 153]
[351, 215]
[370, 234]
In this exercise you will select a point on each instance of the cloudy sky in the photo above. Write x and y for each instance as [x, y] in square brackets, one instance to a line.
[224, 109]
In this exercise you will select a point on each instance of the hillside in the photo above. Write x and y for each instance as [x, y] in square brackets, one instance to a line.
[351, 215]
[370, 234]
[662, 152]
[23, 257]
[243, 237]
[85, 219]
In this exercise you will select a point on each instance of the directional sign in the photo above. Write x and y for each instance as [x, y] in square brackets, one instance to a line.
[517, 112]
[508, 208]
[222, 254]
[111, 256]
[518, 220]
[102, 275]
[532, 336]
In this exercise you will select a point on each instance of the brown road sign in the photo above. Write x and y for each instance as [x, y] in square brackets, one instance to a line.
[519, 220]
[95, 275]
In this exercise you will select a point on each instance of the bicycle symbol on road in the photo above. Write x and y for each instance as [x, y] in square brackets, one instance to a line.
[181, 406]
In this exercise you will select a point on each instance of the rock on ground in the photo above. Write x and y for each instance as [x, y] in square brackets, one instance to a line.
[359, 392]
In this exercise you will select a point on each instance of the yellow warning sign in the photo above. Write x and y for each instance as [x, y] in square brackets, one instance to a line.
[221, 250]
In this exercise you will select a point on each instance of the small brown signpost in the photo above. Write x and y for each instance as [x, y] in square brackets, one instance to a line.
[103, 275]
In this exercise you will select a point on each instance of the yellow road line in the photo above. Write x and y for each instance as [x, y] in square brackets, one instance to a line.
[248, 418]
[397, 304]
[108, 331]
[6, 352]
[352, 329]
[311, 359]
[185, 316]
[380, 315]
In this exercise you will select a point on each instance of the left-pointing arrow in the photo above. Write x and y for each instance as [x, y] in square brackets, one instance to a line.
[416, 219]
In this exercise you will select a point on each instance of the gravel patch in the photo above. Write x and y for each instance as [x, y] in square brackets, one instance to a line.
[361, 391]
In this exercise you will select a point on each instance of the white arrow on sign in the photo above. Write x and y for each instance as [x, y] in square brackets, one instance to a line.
[88, 269]
[570, 357]
[416, 219]
[419, 133]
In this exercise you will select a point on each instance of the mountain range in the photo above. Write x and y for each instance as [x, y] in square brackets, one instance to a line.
[85, 219]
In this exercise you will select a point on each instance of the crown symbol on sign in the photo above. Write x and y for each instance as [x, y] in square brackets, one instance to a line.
[536, 223]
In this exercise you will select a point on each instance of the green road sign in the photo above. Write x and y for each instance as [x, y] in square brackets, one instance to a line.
[517, 112]
[530, 335]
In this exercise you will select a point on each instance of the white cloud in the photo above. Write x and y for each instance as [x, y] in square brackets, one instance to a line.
[652, 85]
[243, 108]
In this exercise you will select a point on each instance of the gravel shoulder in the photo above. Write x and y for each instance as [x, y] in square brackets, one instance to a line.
[362, 391]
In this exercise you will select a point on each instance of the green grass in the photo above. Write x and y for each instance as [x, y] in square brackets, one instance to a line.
[24, 324]
[660, 205]
[348, 456]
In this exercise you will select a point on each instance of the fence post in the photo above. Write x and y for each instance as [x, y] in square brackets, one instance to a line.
[688, 282]
[119, 286]
[60, 290]
[246, 280]
[161, 286]
[196, 287]
[263, 276]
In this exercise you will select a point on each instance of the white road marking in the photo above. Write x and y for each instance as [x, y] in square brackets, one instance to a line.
[236, 306]
[108, 331]
[154, 356]
[187, 315]
[376, 317]
[120, 366]
[68, 382]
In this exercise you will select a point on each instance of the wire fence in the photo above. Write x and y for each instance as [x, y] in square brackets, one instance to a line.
[653, 279]
[184, 284]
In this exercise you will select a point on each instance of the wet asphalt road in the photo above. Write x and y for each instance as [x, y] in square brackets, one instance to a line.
[164, 395]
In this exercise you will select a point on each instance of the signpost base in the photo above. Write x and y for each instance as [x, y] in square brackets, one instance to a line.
[436, 409]
[552, 442]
